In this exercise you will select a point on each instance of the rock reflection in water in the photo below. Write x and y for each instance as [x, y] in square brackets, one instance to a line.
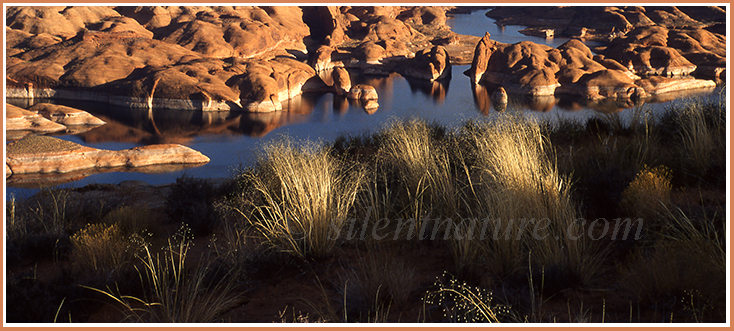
[437, 90]
[260, 124]
[483, 102]
[41, 180]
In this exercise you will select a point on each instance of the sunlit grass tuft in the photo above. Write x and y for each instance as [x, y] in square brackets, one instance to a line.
[306, 198]
[648, 194]
[101, 248]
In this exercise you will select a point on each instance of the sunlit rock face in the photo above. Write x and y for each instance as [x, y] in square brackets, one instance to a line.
[606, 22]
[668, 41]
[341, 81]
[657, 50]
[220, 58]
[208, 58]
[571, 68]
[26, 121]
[43, 154]
[64, 115]
[429, 64]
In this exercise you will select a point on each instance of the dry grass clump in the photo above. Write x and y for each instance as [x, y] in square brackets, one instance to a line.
[422, 168]
[648, 194]
[306, 198]
[702, 132]
[702, 129]
[101, 248]
[523, 203]
[129, 219]
[463, 303]
[379, 279]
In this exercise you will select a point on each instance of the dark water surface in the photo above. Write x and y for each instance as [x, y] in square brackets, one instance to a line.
[234, 139]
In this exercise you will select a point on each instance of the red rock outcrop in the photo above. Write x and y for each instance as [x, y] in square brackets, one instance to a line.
[525, 67]
[664, 40]
[482, 53]
[606, 22]
[203, 57]
[366, 95]
[123, 68]
[539, 70]
[657, 50]
[342, 81]
[61, 21]
[43, 154]
[383, 39]
[64, 115]
[429, 64]
[19, 119]
[243, 32]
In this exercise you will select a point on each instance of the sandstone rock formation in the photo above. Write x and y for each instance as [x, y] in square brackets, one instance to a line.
[539, 70]
[342, 81]
[366, 95]
[43, 154]
[19, 119]
[654, 40]
[64, 115]
[657, 50]
[482, 52]
[220, 58]
[605, 22]
[206, 57]
[429, 64]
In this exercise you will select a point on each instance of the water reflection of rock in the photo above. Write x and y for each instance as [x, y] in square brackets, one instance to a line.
[482, 94]
[143, 126]
[260, 124]
[33, 181]
[437, 89]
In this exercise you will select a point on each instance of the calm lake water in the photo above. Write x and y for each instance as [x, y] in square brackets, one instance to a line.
[233, 140]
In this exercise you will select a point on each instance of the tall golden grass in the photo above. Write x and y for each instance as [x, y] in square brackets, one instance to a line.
[422, 167]
[516, 182]
[702, 130]
[307, 195]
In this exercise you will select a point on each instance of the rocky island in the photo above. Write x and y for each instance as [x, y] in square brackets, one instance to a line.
[48, 155]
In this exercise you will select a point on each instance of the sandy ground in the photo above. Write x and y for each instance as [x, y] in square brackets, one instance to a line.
[41, 144]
